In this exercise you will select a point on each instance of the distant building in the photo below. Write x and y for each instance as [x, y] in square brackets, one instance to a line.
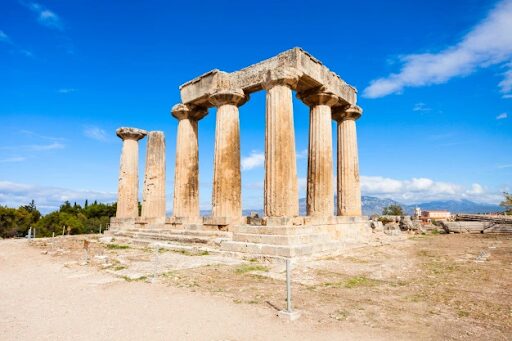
[435, 215]
[417, 213]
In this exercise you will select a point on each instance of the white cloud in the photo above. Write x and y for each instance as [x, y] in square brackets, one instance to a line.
[488, 43]
[504, 166]
[423, 189]
[43, 147]
[302, 154]
[255, 160]
[96, 133]
[66, 90]
[476, 189]
[4, 38]
[502, 116]
[47, 198]
[421, 107]
[44, 16]
[13, 159]
[506, 84]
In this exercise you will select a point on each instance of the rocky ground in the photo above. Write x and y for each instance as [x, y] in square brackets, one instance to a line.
[427, 287]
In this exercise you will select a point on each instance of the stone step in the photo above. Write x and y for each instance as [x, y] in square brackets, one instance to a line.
[279, 250]
[281, 239]
[167, 231]
[166, 237]
[273, 230]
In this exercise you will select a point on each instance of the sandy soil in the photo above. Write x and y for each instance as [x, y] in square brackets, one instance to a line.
[443, 287]
[45, 298]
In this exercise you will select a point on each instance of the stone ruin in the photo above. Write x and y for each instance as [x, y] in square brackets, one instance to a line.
[281, 231]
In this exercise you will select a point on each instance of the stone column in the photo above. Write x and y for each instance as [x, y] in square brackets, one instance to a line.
[226, 196]
[281, 186]
[153, 194]
[128, 191]
[349, 187]
[320, 194]
[186, 176]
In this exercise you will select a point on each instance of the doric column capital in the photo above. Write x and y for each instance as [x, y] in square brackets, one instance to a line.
[352, 112]
[131, 133]
[282, 76]
[318, 97]
[233, 96]
[183, 111]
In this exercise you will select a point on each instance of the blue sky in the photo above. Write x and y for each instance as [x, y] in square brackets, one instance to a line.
[434, 81]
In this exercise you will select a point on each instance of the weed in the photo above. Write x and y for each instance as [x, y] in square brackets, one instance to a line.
[339, 315]
[244, 268]
[139, 279]
[359, 281]
[462, 313]
[117, 246]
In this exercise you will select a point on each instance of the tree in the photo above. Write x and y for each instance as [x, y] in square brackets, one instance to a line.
[507, 203]
[393, 209]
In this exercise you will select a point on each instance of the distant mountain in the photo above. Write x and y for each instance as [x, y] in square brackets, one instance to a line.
[374, 205]
[457, 206]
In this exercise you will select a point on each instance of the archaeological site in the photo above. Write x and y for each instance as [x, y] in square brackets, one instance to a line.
[281, 231]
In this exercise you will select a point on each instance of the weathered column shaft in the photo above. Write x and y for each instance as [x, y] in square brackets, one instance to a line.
[281, 186]
[153, 194]
[127, 202]
[349, 187]
[128, 190]
[320, 193]
[227, 183]
[320, 166]
[186, 177]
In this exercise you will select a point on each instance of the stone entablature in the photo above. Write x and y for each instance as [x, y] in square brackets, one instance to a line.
[311, 74]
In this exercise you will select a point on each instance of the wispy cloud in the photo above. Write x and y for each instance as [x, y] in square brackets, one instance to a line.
[302, 154]
[504, 166]
[47, 198]
[4, 38]
[13, 159]
[421, 107]
[39, 136]
[45, 16]
[96, 133]
[502, 116]
[43, 147]
[254, 160]
[488, 43]
[424, 189]
[66, 90]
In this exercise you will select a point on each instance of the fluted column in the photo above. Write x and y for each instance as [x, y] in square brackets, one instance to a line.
[349, 187]
[227, 186]
[186, 176]
[320, 192]
[128, 190]
[153, 194]
[281, 186]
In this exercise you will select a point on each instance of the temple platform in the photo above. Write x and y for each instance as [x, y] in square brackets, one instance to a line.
[283, 237]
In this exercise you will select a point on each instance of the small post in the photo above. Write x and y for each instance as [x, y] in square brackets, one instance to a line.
[289, 313]
[63, 229]
[100, 228]
[29, 235]
[34, 232]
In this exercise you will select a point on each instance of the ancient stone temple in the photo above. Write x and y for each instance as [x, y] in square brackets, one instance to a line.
[281, 231]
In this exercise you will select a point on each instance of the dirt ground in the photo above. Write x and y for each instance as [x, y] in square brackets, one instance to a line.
[427, 287]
